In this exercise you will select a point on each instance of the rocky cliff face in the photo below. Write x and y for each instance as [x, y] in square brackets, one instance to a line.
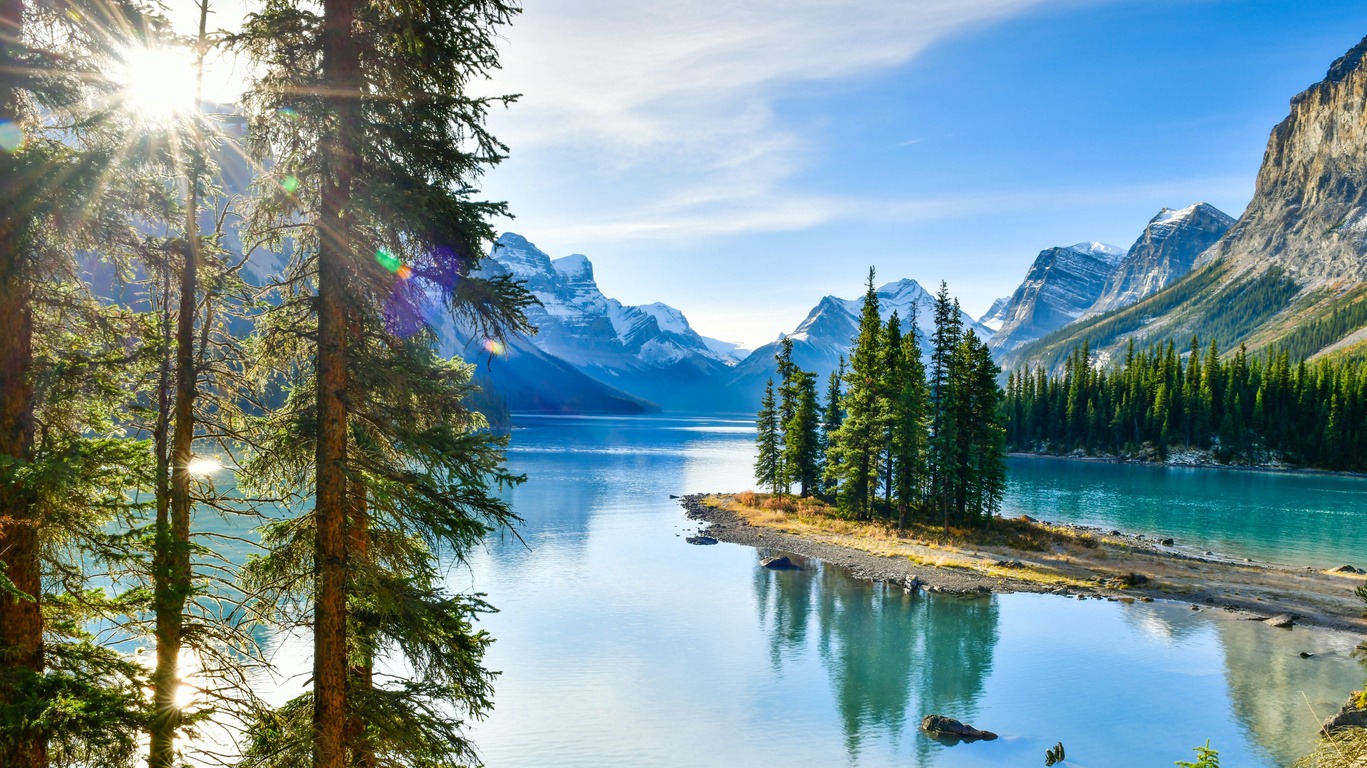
[1061, 284]
[1308, 215]
[1296, 256]
[1170, 245]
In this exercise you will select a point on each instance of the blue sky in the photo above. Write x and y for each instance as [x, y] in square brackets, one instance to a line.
[739, 160]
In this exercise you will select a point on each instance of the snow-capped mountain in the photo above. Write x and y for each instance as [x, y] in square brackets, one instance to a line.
[1061, 284]
[827, 333]
[1297, 255]
[650, 351]
[995, 314]
[1165, 252]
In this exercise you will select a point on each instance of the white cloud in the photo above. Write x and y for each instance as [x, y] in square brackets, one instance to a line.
[657, 119]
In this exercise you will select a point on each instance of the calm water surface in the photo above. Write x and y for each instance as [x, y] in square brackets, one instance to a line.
[621, 645]
[1283, 517]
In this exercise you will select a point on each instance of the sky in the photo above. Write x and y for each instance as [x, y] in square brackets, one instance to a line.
[740, 160]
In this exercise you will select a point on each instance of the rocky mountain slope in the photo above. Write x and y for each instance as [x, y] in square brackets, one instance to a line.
[1061, 284]
[650, 351]
[1292, 269]
[825, 335]
[1163, 254]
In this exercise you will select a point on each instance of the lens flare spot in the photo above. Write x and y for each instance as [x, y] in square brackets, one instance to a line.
[290, 184]
[495, 347]
[388, 260]
[405, 272]
[289, 113]
[11, 136]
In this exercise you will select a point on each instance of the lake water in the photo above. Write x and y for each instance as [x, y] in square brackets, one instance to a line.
[622, 645]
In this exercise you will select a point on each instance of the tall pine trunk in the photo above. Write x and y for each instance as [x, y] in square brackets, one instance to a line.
[341, 79]
[363, 671]
[21, 622]
[172, 585]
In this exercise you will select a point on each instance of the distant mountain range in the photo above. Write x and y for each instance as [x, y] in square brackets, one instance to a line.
[1292, 270]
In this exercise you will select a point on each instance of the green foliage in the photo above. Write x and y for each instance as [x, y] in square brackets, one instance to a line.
[768, 442]
[1205, 758]
[900, 443]
[1240, 407]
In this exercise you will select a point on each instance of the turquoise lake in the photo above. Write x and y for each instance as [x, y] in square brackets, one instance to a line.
[622, 645]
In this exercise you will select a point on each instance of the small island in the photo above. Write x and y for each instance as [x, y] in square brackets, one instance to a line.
[1026, 555]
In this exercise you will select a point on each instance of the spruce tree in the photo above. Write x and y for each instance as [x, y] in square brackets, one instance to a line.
[831, 416]
[909, 426]
[374, 143]
[943, 453]
[801, 435]
[856, 444]
[768, 447]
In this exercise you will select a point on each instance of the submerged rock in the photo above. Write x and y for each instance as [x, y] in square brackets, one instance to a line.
[942, 727]
[1166, 542]
[701, 540]
[781, 563]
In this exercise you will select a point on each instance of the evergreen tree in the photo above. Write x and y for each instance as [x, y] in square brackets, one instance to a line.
[364, 111]
[768, 458]
[801, 435]
[943, 454]
[857, 443]
[831, 416]
[909, 430]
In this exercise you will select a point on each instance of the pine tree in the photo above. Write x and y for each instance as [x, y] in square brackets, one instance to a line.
[944, 460]
[856, 444]
[767, 441]
[801, 435]
[909, 426]
[831, 415]
[379, 201]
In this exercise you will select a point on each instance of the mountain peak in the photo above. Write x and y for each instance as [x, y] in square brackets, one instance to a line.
[1101, 250]
[1348, 63]
[576, 266]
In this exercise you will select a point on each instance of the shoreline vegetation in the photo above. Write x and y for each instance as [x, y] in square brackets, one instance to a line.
[1026, 555]
[1186, 461]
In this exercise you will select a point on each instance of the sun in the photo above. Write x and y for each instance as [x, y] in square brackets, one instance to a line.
[157, 84]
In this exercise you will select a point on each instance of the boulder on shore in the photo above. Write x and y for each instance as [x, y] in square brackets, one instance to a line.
[942, 727]
[1348, 717]
[1348, 569]
[1282, 621]
[780, 564]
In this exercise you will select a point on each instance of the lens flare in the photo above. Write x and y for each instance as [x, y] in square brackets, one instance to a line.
[495, 347]
[11, 136]
[405, 272]
[388, 260]
[289, 184]
[289, 113]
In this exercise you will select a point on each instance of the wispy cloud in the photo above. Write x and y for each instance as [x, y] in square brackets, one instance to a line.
[658, 119]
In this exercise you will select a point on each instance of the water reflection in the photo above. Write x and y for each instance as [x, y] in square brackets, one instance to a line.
[890, 657]
[1277, 695]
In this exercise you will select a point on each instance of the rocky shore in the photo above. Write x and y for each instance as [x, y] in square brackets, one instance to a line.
[1107, 565]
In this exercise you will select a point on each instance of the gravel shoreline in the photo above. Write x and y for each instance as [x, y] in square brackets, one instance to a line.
[1246, 590]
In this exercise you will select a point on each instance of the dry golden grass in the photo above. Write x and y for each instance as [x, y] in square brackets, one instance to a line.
[1344, 749]
[806, 516]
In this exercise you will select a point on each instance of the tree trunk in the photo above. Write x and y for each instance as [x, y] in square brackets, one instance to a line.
[21, 622]
[173, 587]
[341, 78]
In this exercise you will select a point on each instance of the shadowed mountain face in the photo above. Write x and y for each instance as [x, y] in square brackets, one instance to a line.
[1170, 245]
[1295, 261]
[1061, 284]
[826, 335]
